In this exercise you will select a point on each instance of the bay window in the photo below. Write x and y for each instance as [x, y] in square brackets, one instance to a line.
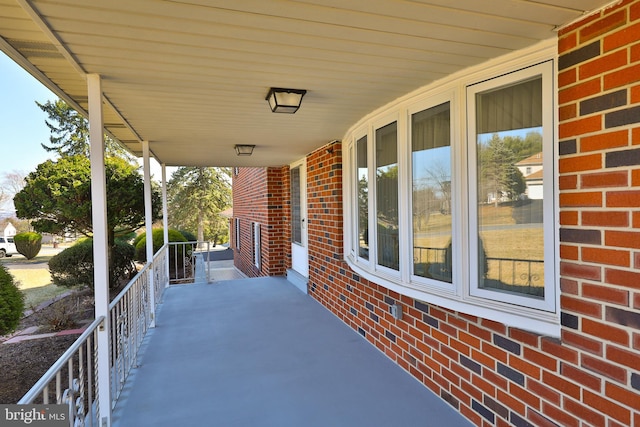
[462, 185]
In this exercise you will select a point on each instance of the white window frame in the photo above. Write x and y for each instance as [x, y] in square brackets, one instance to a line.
[545, 70]
[237, 233]
[434, 101]
[257, 244]
[353, 153]
[458, 296]
[373, 196]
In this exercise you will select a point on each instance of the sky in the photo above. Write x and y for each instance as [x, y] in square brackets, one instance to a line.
[22, 123]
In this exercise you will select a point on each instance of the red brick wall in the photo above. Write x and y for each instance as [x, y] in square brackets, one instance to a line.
[276, 253]
[599, 96]
[324, 210]
[261, 195]
[493, 374]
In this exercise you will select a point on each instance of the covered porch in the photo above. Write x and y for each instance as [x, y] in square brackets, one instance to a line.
[259, 352]
[184, 83]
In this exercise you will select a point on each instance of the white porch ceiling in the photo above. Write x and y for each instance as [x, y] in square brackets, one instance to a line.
[190, 76]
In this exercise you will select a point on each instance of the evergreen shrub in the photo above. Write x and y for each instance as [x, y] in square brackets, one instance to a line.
[11, 303]
[28, 244]
[158, 241]
[74, 266]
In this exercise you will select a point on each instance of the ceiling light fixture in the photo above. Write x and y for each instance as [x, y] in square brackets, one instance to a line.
[244, 150]
[285, 100]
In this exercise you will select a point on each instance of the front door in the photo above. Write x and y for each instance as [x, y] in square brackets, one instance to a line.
[299, 252]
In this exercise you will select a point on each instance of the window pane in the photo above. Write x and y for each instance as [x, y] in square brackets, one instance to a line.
[509, 165]
[387, 196]
[431, 161]
[296, 215]
[363, 199]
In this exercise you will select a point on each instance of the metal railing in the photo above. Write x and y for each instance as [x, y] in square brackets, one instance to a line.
[432, 263]
[130, 316]
[78, 365]
[523, 276]
[189, 262]
[422, 254]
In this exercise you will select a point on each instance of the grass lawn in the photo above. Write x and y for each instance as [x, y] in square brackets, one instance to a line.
[35, 296]
[33, 278]
[36, 285]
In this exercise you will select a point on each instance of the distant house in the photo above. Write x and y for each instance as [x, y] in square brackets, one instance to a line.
[9, 230]
[531, 169]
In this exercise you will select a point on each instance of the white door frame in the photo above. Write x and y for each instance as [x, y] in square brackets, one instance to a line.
[299, 250]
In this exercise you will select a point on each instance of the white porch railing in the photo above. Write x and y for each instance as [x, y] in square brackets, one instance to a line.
[77, 369]
[130, 317]
[189, 262]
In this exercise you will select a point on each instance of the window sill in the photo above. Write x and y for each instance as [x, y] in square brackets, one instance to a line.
[536, 321]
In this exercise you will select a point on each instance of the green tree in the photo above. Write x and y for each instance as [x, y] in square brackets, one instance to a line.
[57, 197]
[363, 206]
[387, 185]
[70, 132]
[196, 196]
[524, 147]
[499, 174]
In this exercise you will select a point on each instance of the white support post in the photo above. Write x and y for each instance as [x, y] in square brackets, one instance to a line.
[100, 245]
[165, 216]
[148, 218]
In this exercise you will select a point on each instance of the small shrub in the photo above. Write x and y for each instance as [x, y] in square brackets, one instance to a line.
[59, 319]
[158, 241]
[68, 312]
[137, 239]
[74, 266]
[28, 244]
[189, 236]
[11, 303]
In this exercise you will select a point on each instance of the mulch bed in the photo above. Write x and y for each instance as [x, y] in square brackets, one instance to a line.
[23, 363]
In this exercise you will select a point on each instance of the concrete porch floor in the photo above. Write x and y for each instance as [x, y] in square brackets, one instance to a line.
[258, 352]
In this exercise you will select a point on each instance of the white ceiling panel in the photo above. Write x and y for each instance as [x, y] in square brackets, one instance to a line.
[191, 76]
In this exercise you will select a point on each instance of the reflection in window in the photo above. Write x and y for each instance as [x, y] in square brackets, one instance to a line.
[363, 199]
[431, 161]
[510, 215]
[387, 196]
